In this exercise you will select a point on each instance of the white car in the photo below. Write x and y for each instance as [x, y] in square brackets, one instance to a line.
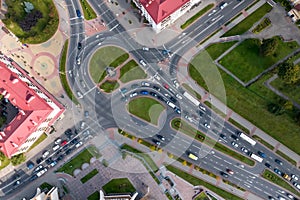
[295, 177]
[79, 95]
[234, 144]
[78, 144]
[133, 94]
[78, 61]
[188, 118]
[223, 5]
[244, 150]
[38, 168]
[55, 147]
[142, 62]
[57, 141]
[146, 84]
[206, 125]
[145, 48]
[176, 84]
[40, 173]
[202, 108]
[178, 96]
[45, 154]
[82, 125]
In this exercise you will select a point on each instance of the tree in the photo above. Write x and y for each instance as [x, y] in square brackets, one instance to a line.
[289, 72]
[18, 159]
[268, 46]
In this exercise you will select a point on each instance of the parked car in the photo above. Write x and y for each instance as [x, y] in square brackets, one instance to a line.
[63, 143]
[153, 94]
[45, 154]
[145, 84]
[277, 171]
[30, 165]
[144, 92]
[133, 94]
[57, 141]
[55, 147]
[294, 177]
[156, 88]
[78, 144]
[39, 160]
[142, 62]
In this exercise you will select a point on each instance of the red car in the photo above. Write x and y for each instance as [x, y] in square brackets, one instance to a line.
[166, 86]
[63, 143]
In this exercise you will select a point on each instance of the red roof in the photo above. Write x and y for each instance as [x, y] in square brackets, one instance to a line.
[160, 9]
[33, 109]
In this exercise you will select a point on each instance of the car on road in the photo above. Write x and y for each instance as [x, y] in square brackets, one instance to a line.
[244, 150]
[223, 5]
[200, 113]
[153, 94]
[268, 165]
[177, 110]
[160, 137]
[290, 196]
[178, 96]
[229, 171]
[236, 138]
[202, 107]
[279, 162]
[86, 114]
[224, 174]
[240, 165]
[79, 46]
[45, 154]
[294, 177]
[173, 99]
[188, 118]
[79, 95]
[206, 125]
[78, 59]
[156, 88]
[223, 136]
[277, 171]
[261, 154]
[176, 84]
[144, 92]
[166, 86]
[234, 144]
[133, 94]
[55, 147]
[78, 13]
[142, 62]
[145, 84]
[18, 182]
[145, 49]
[57, 141]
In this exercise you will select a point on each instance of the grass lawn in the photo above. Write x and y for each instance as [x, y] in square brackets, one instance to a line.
[146, 108]
[262, 25]
[293, 162]
[109, 86]
[83, 157]
[4, 163]
[217, 49]
[104, 57]
[117, 186]
[292, 91]
[263, 142]
[279, 181]
[248, 22]
[88, 11]
[196, 181]
[251, 103]
[131, 71]
[145, 156]
[41, 139]
[45, 27]
[197, 16]
[202, 196]
[62, 74]
[94, 196]
[187, 129]
[245, 60]
[89, 176]
[46, 185]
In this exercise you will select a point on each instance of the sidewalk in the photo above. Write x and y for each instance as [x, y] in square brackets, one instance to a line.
[162, 158]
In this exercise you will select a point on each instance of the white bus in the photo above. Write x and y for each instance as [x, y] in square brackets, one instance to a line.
[193, 157]
[247, 138]
[256, 157]
[191, 98]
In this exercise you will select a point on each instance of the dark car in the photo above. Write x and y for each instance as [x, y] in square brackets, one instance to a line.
[160, 98]
[261, 154]
[39, 160]
[160, 137]
[30, 165]
[156, 88]
[69, 151]
[277, 171]
[173, 99]
[235, 137]
[224, 174]
[200, 113]
[153, 94]
[79, 46]
[78, 13]
[48, 161]
[223, 136]
[33, 177]
[74, 141]
[144, 92]
[267, 165]
[278, 161]
[59, 158]
[156, 141]
[68, 132]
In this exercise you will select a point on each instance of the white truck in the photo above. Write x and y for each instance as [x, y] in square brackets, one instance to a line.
[172, 105]
[191, 98]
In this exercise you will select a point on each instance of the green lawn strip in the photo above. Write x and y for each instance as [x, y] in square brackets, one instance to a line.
[83, 157]
[4, 163]
[146, 108]
[279, 181]
[169, 196]
[215, 109]
[62, 74]
[197, 16]
[88, 11]
[65, 189]
[248, 22]
[131, 71]
[287, 158]
[239, 126]
[246, 62]
[109, 86]
[90, 175]
[202, 196]
[191, 91]
[94, 196]
[46, 185]
[190, 131]
[217, 49]
[196, 181]
[45, 27]
[101, 59]
[255, 98]
[118, 186]
[262, 25]
[145, 156]
[120, 60]
[292, 91]
[263, 142]
[38, 141]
